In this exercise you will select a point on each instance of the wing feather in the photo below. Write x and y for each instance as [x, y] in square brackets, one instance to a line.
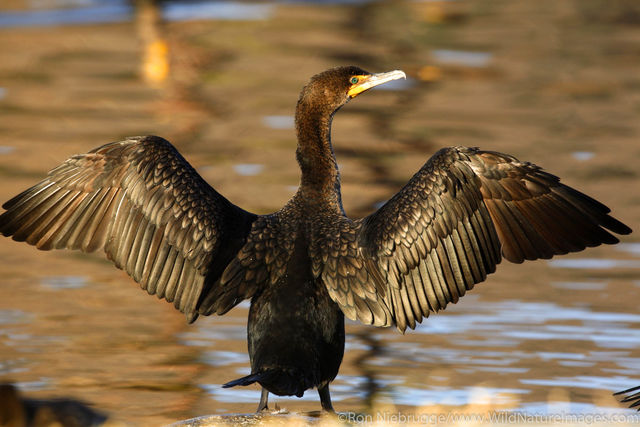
[426, 284]
[440, 286]
[450, 226]
[147, 208]
[471, 251]
[75, 225]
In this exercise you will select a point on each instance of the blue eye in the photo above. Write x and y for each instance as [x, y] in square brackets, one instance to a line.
[354, 80]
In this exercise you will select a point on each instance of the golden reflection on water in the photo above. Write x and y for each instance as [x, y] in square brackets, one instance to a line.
[539, 337]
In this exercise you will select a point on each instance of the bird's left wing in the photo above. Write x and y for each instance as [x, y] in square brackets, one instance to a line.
[142, 203]
[448, 228]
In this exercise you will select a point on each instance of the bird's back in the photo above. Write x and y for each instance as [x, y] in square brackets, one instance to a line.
[295, 330]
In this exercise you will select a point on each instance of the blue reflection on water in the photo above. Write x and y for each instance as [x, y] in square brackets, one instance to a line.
[110, 11]
[583, 156]
[632, 248]
[565, 409]
[220, 10]
[279, 122]
[594, 263]
[530, 321]
[583, 381]
[462, 58]
[64, 282]
[223, 358]
[248, 169]
[105, 12]
[80, 12]
[455, 397]
[11, 316]
[580, 286]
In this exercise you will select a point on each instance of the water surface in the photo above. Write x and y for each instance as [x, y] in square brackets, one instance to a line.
[536, 338]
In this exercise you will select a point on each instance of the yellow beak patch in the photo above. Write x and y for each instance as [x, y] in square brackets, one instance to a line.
[365, 82]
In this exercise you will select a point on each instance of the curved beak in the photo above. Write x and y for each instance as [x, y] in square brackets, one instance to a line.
[368, 81]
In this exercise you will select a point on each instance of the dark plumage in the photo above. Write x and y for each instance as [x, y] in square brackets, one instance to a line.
[630, 396]
[307, 264]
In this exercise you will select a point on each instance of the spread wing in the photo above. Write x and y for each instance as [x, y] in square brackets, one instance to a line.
[449, 227]
[150, 211]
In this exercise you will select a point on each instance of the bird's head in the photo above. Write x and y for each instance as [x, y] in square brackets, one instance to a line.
[331, 89]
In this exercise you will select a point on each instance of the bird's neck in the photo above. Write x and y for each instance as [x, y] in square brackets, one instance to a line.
[320, 176]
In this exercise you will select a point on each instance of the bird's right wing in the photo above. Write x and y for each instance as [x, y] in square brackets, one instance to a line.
[150, 211]
[449, 227]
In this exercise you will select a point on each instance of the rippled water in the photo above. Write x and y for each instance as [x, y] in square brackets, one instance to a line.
[279, 122]
[248, 169]
[595, 263]
[65, 282]
[462, 58]
[482, 339]
[583, 155]
[95, 12]
[539, 338]
[109, 11]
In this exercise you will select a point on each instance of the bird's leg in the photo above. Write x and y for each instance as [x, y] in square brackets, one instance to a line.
[263, 400]
[325, 398]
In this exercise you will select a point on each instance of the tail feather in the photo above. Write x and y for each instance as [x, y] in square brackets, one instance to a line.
[248, 380]
[277, 381]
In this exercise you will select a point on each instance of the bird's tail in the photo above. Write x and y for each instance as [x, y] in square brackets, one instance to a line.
[248, 380]
[277, 381]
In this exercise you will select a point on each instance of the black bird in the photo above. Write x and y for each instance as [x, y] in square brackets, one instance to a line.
[307, 265]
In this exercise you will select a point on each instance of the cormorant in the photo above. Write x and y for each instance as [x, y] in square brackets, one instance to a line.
[307, 265]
